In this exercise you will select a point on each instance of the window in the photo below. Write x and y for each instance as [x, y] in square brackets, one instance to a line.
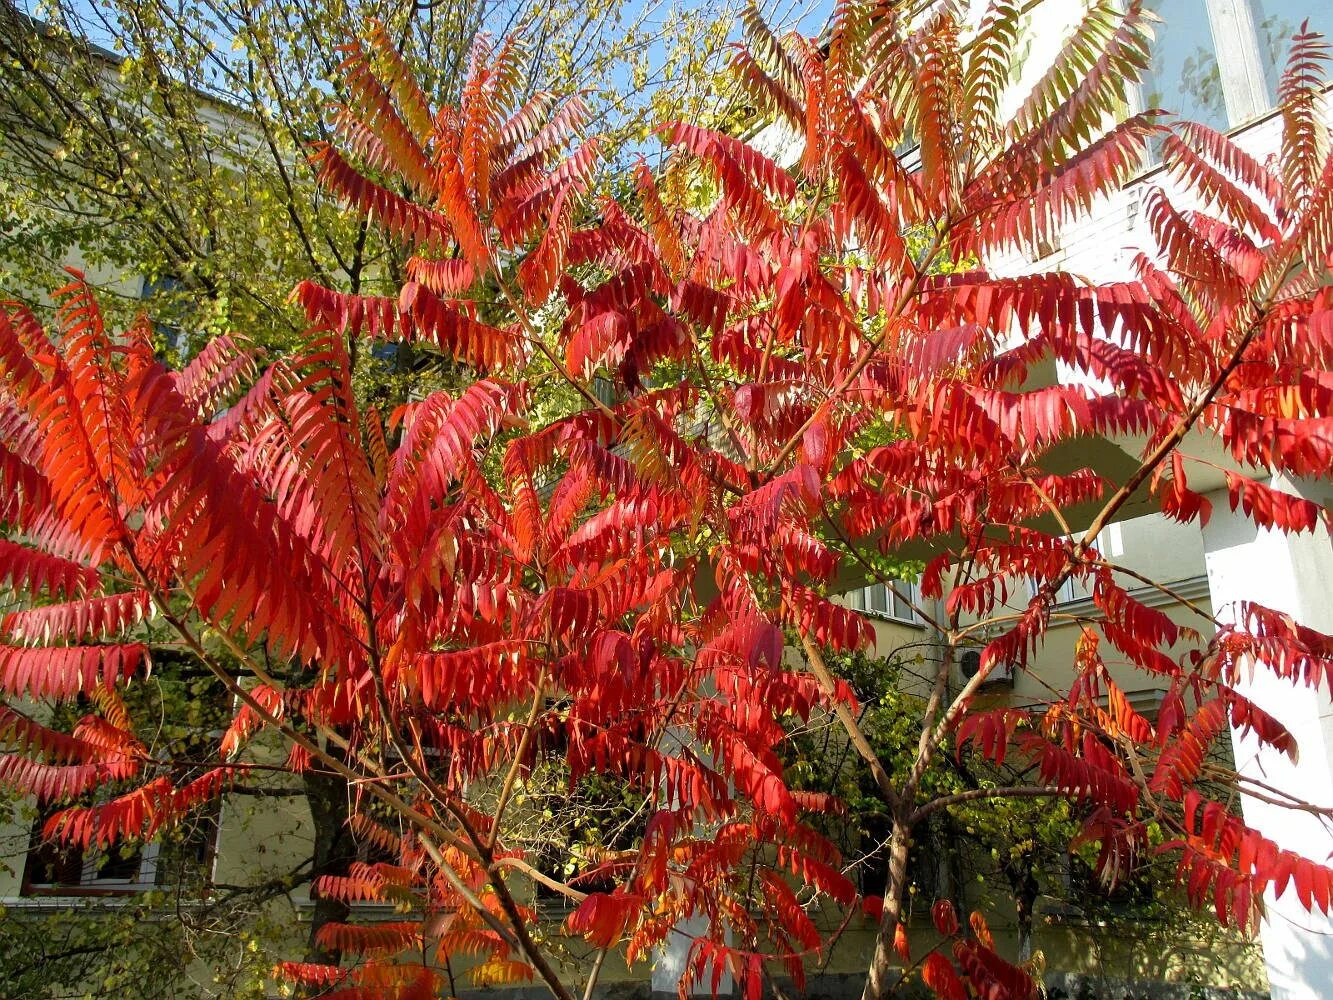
[879, 600]
[391, 354]
[1184, 76]
[1252, 39]
[180, 856]
[606, 391]
[1067, 593]
[60, 869]
[1078, 892]
[174, 343]
[926, 859]
[1275, 21]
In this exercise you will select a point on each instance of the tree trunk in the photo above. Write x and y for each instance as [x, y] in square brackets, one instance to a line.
[879, 980]
[1025, 901]
[335, 850]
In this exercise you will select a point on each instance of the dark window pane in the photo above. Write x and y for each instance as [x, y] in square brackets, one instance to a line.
[879, 598]
[174, 339]
[902, 608]
[605, 390]
[54, 864]
[386, 352]
[119, 866]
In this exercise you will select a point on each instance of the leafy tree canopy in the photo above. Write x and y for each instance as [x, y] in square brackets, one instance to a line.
[170, 142]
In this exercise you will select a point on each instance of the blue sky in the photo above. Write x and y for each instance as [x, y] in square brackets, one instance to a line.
[806, 16]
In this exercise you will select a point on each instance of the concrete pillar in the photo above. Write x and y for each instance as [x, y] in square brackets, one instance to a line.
[1292, 574]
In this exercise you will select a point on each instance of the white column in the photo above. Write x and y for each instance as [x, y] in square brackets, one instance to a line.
[669, 963]
[1244, 89]
[671, 957]
[1292, 574]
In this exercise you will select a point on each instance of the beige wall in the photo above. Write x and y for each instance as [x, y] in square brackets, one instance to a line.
[107, 278]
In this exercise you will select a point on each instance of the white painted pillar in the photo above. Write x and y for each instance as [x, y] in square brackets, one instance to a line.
[1292, 574]
[671, 957]
[669, 963]
[1244, 89]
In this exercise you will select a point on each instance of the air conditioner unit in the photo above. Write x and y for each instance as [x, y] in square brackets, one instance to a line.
[969, 662]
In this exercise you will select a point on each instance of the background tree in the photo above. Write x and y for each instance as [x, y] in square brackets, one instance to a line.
[1014, 856]
[619, 577]
[173, 141]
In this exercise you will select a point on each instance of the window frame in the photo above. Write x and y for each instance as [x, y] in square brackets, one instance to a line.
[1248, 84]
[860, 599]
[1066, 594]
[145, 880]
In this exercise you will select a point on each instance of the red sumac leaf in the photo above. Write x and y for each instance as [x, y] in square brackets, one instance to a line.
[945, 917]
[937, 972]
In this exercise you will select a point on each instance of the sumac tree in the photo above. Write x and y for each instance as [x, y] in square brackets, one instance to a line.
[475, 583]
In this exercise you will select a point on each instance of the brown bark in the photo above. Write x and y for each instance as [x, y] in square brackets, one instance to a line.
[1025, 889]
[880, 979]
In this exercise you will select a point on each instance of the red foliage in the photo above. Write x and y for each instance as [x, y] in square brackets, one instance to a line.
[484, 584]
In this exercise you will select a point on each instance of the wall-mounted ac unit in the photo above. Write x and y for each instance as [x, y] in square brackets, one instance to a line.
[969, 662]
